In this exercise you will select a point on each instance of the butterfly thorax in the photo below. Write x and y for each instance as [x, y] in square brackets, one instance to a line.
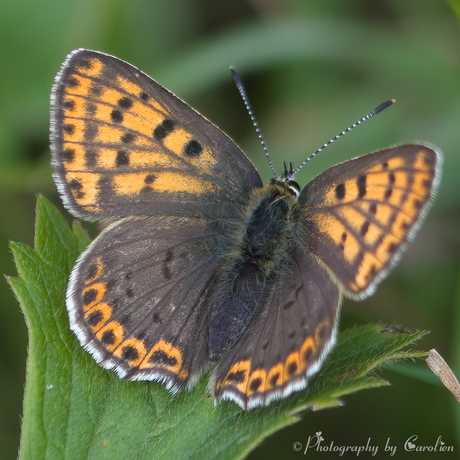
[262, 255]
[268, 225]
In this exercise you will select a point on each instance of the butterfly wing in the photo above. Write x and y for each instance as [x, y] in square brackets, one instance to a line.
[140, 297]
[288, 341]
[120, 140]
[358, 216]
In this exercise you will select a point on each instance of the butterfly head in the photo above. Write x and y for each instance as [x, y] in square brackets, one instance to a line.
[288, 179]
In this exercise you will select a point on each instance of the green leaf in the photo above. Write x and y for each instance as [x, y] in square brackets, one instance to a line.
[75, 409]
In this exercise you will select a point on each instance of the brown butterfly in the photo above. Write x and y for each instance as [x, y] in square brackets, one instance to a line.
[203, 264]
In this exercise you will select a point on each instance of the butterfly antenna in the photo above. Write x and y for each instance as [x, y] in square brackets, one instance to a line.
[354, 125]
[240, 86]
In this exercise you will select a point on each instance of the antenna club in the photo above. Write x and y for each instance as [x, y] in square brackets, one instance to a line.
[235, 76]
[383, 106]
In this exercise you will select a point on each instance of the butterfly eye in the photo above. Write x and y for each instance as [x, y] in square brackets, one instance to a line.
[294, 186]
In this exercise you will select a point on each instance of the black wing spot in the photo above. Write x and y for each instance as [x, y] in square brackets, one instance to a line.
[193, 148]
[340, 191]
[83, 63]
[427, 161]
[128, 138]
[418, 204]
[108, 338]
[236, 377]
[130, 353]
[161, 358]
[165, 128]
[372, 272]
[68, 128]
[125, 103]
[72, 82]
[89, 296]
[69, 104]
[76, 188]
[149, 179]
[405, 225]
[361, 185]
[292, 368]
[156, 318]
[307, 354]
[255, 384]
[122, 158]
[68, 155]
[274, 379]
[95, 318]
[116, 116]
[364, 228]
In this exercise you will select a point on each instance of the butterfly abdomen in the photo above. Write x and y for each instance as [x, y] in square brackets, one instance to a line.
[261, 255]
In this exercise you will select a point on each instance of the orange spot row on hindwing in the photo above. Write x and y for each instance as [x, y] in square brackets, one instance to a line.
[260, 380]
[111, 334]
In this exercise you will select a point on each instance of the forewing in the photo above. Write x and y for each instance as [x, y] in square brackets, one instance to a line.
[122, 145]
[358, 216]
[140, 297]
[287, 343]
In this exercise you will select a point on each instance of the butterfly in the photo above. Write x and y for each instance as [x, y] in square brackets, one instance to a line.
[201, 263]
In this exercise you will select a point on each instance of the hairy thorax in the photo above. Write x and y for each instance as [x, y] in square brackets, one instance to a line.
[259, 255]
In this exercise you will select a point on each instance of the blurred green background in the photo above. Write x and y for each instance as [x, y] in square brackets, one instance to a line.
[311, 67]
